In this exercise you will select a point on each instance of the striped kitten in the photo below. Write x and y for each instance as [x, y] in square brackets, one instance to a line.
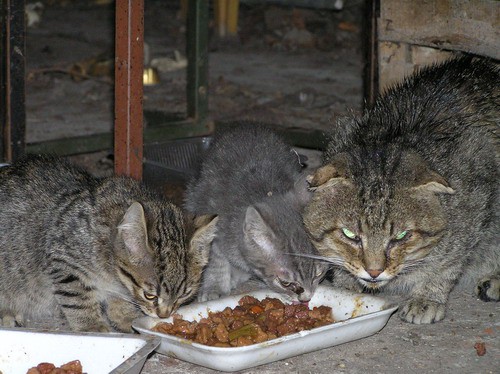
[251, 179]
[93, 253]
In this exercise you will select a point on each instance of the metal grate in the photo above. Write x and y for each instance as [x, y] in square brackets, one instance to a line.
[179, 156]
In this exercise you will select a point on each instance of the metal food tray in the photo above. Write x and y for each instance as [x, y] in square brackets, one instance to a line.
[357, 316]
[99, 353]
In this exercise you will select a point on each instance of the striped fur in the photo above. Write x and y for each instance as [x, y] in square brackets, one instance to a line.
[92, 253]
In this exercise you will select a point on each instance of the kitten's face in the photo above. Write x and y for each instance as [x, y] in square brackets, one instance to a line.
[157, 292]
[163, 270]
[279, 257]
[374, 233]
[293, 274]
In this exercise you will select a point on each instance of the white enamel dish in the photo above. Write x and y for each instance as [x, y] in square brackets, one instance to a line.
[358, 316]
[99, 353]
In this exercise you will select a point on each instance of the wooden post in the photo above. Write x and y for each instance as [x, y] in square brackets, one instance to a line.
[232, 17]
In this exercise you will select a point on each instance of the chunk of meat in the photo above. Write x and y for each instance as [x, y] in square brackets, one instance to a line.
[251, 321]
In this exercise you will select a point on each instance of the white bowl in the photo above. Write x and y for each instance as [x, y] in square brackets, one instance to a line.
[99, 353]
[358, 316]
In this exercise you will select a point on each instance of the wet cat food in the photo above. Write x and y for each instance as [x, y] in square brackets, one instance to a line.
[251, 321]
[72, 367]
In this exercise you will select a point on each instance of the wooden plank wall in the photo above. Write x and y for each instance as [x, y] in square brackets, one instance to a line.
[415, 33]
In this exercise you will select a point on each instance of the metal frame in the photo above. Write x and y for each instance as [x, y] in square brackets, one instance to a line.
[12, 72]
[161, 125]
[371, 77]
[129, 65]
[167, 126]
[129, 135]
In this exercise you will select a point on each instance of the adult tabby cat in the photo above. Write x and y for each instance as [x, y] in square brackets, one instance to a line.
[252, 180]
[92, 253]
[407, 198]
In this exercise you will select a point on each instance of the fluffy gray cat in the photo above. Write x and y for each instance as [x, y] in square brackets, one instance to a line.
[408, 197]
[92, 253]
[252, 180]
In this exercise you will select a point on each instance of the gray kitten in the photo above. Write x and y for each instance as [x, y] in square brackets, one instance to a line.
[94, 253]
[252, 180]
[407, 200]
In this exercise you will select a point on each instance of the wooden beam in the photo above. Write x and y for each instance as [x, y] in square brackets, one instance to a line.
[458, 25]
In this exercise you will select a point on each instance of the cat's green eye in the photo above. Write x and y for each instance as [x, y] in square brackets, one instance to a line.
[401, 235]
[349, 234]
[150, 296]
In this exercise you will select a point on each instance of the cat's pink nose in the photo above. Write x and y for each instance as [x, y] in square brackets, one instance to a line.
[374, 273]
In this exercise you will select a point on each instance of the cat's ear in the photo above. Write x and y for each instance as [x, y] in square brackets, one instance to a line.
[328, 175]
[421, 177]
[258, 231]
[432, 182]
[205, 230]
[321, 176]
[133, 231]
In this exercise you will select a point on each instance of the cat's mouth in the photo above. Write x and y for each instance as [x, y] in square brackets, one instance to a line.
[372, 283]
[373, 280]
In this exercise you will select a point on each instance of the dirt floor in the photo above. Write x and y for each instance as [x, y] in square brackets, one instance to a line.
[291, 67]
[271, 74]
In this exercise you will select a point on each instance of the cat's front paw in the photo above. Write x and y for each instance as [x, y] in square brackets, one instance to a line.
[422, 311]
[121, 314]
[8, 319]
[100, 328]
[488, 289]
[207, 296]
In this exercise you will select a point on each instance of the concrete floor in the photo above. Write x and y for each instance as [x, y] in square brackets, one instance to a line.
[299, 87]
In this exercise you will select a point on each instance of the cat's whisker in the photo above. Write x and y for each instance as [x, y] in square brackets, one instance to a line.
[331, 260]
[122, 296]
[432, 258]
[411, 265]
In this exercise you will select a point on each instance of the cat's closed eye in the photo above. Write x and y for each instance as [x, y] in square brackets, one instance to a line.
[293, 286]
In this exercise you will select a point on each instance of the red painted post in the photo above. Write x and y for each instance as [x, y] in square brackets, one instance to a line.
[129, 65]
